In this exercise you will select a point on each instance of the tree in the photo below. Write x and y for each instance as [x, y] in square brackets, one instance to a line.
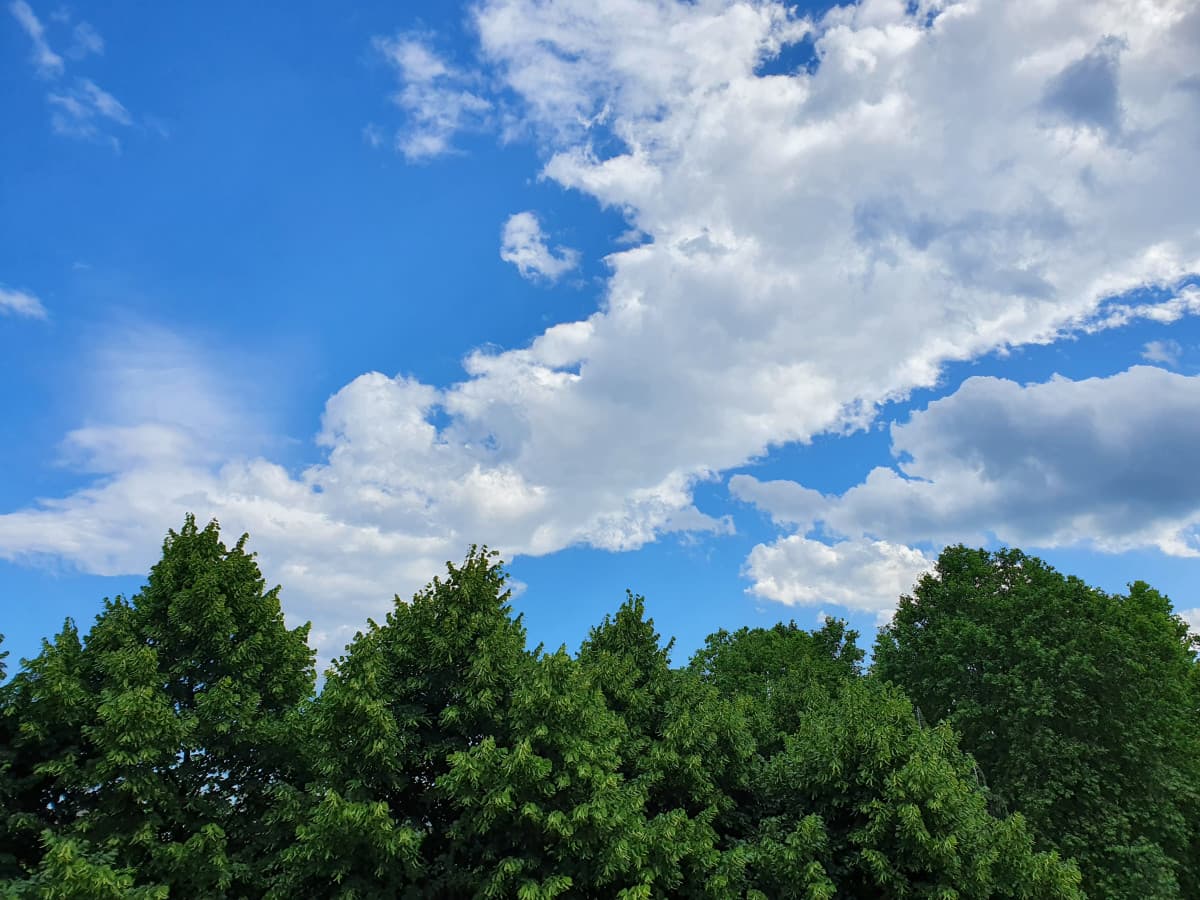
[1079, 707]
[687, 747]
[43, 710]
[775, 666]
[851, 796]
[435, 679]
[159, 739]
[546, 811]
[71, 869]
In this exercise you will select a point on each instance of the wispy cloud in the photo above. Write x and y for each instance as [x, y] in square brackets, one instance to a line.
[523, 244]
[83, 110]
[20, 303]
[373, 135]
[85, 40]
[48, 63]
[1166, 352]
[435, 97]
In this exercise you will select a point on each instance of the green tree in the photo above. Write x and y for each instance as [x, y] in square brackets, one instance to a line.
[71, 869]
[435, 679]
[850, 795]
[160, 738]
[684, 745]
[43, 711]
[1079, 706]
[900, 811]
[546, 811]
[773, 667]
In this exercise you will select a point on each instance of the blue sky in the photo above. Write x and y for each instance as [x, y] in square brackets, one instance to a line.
[745, 306]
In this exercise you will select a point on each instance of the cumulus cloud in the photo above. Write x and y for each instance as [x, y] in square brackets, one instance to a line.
[1102, 462]
[436, 98]
[1192, 617]
[20, 303]
[523, 243]
[47, 63]
[817, 243]
[861, 575]
[1087, 91]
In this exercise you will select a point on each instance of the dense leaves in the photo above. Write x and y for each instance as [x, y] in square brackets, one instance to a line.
[1080, 707]
[178, 749]
[152, 746]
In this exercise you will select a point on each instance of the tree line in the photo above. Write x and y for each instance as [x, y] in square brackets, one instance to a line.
[1019, 734]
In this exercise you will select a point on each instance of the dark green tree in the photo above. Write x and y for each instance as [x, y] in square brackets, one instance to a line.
[160, 738]
[887, 809]
[1079, 706]
[850, 796]
[546, 812]
[43, 711]
[687, 747]
[71, 869]
[773, 667]
[435, 679]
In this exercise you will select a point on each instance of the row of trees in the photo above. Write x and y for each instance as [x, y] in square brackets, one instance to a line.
[1021, 735]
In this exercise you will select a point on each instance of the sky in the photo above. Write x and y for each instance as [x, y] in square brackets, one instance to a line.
[745, 306]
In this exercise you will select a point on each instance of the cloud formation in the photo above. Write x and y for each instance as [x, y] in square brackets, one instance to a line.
[1102, 462]
[523, 243]
[47, 63]
[861, 575]
[1166, 352]
[85, 41]
[82, 109]
[818, 242]
[20, 303]
[435, 97]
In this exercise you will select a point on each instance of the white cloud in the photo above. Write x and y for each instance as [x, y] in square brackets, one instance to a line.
[523, 243]
[20, 303]
[1166, 352]
[85, 41]
[48, 63]
[1103, 462]
[861, 575]
[1192, 617]
[436, 98]
[1185, 302]
[84, 110]
[787, 502]
[816, 244]
[373, 135]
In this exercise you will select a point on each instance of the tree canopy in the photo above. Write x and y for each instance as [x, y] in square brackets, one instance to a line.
[1020, 735]
[1080, 707]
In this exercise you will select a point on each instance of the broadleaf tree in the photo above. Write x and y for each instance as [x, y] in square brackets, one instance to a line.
[1078, 705]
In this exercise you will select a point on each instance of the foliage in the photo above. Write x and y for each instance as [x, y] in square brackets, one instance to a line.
[1079, 706]
[435, 679]
[852, 797]
[70, 869]
[178, 749]
[687, 748]
[159, 737]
